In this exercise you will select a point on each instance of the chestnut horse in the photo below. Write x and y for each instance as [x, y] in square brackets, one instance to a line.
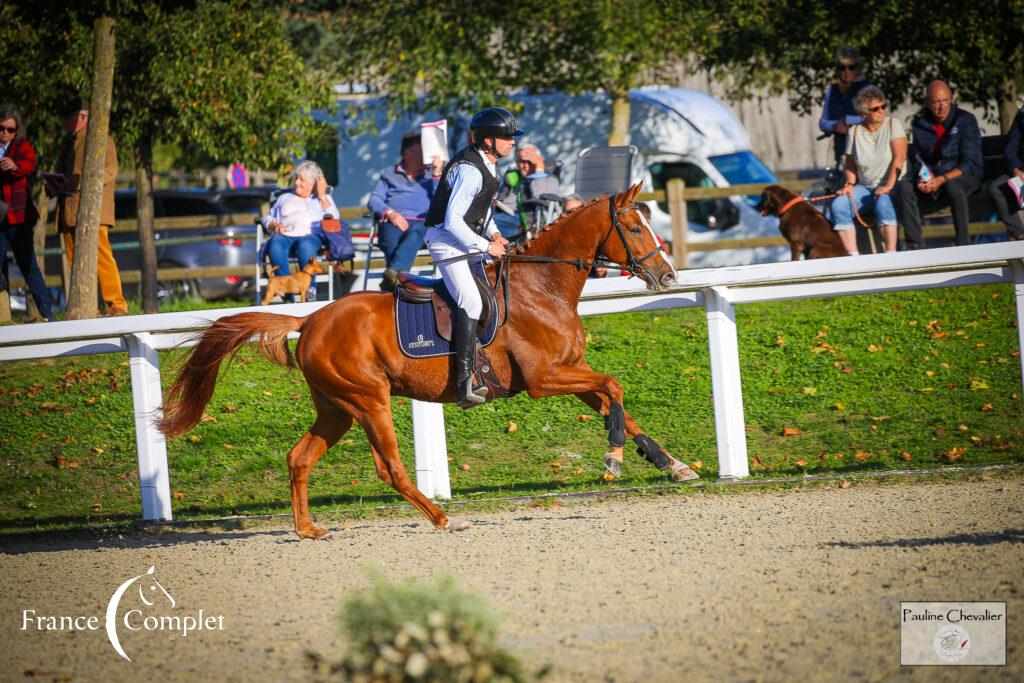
[349, 354]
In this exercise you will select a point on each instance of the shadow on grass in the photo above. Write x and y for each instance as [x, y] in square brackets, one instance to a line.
[987, 538]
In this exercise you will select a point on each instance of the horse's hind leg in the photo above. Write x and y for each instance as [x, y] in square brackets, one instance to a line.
[380, 430]
[330, 425]
[646, 446]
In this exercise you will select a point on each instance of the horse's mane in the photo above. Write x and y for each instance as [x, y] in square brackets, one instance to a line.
[541, 237]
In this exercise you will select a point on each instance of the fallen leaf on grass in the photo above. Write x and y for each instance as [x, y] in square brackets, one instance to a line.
[294, 397]
[207, 418]
[844, 484]
[840, 406]
[810, 391]
[49, 405]
[98, 451]
[178, 495]
[954, 454]
[96, 507]
[195, 438]
[938, 431]
[979, 345]
[578, 470]
[229, 446]
[1004, 446]
[757, 463]
[512, 426]
[779, 341]
[977, 440]
[978, 384]
[697, 464]
[464, 468]
[800, 463]
[963, 428]
[862, 455]
[608, 476]
[229, 409]
[790, 431]
[929, 373]
[926, 390]
[268, 393]
[354, 482]
[847, 369]
[838, 456]
[584, 418]
[905, 456]
[874, 348]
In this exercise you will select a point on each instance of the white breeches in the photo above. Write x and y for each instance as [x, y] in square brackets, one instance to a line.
[457, 276]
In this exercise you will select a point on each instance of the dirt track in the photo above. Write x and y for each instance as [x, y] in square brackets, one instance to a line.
[756, 586]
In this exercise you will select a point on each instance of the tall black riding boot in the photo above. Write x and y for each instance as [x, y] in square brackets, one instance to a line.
[464, 338]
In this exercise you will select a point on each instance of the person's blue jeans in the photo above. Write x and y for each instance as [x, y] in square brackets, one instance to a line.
[881, 207]
[400, 246]
[19, 239]
[280, 247]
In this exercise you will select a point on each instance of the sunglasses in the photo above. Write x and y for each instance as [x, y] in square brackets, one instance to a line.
[846, 67]
[5, 129]
[876, 109]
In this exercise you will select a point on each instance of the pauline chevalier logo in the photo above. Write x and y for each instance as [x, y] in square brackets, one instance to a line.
[153, 598]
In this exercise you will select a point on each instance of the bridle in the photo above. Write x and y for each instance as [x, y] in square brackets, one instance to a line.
[633, 265]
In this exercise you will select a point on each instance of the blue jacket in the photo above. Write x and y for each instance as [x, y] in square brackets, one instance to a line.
[962, 149]
[394, 190]
[1014, 151]
[838, 107]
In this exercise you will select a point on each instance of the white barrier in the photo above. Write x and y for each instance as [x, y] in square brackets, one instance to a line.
[718, 290]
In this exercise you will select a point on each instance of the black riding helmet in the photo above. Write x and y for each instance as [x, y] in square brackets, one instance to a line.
[494, 122]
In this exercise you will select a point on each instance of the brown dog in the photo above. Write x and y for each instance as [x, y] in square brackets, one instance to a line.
[296, 283]
[807, 231]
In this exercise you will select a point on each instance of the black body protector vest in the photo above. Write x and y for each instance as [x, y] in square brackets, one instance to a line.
[479, 209]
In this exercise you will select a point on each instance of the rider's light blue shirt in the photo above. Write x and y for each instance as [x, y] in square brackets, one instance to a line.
[466, 182]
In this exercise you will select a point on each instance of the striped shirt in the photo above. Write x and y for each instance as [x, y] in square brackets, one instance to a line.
[872, 152]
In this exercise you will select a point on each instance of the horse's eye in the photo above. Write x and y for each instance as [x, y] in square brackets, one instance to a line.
[636, 231]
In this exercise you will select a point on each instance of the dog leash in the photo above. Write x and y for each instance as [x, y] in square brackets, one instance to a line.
[823, 197]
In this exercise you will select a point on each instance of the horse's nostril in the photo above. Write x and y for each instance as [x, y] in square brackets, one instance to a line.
[668, 278]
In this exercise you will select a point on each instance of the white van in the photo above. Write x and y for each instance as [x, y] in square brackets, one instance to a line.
[678, 132]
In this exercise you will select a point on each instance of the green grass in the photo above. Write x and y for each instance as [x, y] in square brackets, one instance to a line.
[882, 382]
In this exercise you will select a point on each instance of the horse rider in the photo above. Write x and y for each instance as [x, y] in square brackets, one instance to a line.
[460, 223]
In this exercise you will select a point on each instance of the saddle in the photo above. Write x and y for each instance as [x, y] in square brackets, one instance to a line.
[423, 322]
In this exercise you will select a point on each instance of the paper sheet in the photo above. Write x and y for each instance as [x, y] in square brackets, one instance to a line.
[434, 138]
[1017, 186]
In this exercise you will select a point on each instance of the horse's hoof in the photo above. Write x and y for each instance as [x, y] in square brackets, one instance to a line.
[680, 471]
[458, 524]
[613, 466]
[313, 532]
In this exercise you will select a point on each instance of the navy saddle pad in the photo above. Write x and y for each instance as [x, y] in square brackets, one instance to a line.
[417, 331]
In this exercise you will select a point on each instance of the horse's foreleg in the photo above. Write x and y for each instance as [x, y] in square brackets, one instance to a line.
[325, 432]
[381, 432]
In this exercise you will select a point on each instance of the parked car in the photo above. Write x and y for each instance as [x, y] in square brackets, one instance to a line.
[231, 244]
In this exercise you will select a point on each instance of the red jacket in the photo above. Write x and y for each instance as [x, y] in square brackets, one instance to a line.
[15, 183]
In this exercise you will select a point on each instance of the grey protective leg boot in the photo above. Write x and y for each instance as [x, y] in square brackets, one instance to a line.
[464, 338]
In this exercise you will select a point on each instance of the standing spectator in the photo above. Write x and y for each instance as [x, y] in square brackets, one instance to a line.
[876, 155]
[18, 215]
[1005, 202]
[838, 113]
[400, 200]
[293, 218]
[75, 114]
[528, 180]
[947, 143]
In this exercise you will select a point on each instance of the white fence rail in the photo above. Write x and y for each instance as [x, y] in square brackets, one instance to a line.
[717, 290]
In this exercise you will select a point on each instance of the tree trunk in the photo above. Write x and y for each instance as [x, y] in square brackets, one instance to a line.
[82, 297]
[144, 201]
[619, 134]
[1007, 104]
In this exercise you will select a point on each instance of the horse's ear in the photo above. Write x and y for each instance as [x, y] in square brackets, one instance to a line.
[627, 196]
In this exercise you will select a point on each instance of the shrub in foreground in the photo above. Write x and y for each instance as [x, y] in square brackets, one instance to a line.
[412, 631]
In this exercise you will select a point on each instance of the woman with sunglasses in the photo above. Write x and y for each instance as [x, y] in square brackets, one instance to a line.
[17, 163]
[876, 155]
[838, 113]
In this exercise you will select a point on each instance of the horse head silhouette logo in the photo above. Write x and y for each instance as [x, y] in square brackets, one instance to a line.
[149, 588]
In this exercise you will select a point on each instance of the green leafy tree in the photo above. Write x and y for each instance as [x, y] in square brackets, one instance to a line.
[977, 47]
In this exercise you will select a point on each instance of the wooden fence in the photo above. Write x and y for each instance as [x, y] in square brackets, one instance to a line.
[676, 195]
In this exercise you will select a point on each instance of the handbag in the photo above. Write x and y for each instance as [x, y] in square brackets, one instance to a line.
[330, 224]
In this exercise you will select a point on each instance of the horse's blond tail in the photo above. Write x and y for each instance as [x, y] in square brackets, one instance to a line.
[193, 388]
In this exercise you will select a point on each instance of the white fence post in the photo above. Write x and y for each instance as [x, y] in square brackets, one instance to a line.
[1017, 266]
[726, 384]
[147, 399]
[432, 478]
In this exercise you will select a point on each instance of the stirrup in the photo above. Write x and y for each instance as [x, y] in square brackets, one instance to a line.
[466, 396]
